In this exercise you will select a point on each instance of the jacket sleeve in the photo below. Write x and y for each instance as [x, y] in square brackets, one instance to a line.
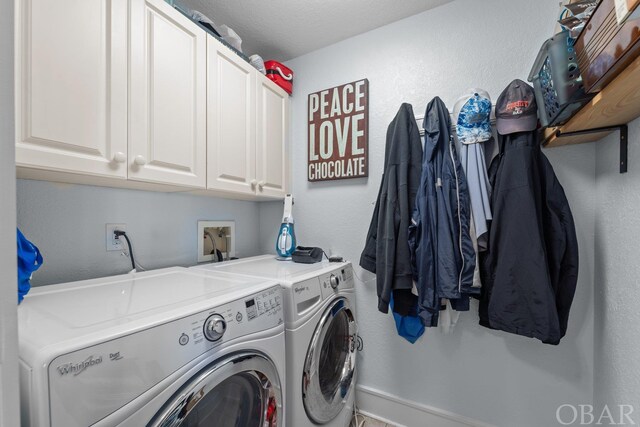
[368, 256]
[414, 232]
[562, 248]
[569, 276]
[408, 173]
[387, 239]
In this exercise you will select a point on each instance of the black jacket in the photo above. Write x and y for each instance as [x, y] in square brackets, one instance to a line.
[442, 252]
[386, 250]
[530, 270]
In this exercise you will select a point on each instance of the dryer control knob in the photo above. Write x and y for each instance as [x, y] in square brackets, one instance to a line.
[334, 281]
[214, 327]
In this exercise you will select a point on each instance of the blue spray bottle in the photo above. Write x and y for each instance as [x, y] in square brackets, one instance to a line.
[286, 242]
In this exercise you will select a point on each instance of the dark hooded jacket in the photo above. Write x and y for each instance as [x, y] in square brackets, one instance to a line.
[530, 270]
[386, 251]
[442, 254]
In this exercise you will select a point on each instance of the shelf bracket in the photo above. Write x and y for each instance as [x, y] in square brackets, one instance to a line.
[624, 140]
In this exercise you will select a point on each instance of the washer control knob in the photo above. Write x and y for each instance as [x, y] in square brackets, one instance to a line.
[334, 281]
[214, 327]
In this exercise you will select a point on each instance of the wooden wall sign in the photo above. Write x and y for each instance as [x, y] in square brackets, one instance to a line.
[338, 132]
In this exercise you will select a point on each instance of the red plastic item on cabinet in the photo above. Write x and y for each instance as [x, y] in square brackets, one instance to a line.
[280, 74]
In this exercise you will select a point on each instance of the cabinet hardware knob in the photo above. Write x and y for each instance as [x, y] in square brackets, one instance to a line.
[140, 160]
[119, 157]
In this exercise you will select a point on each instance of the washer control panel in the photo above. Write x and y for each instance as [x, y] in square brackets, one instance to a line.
[237, 318]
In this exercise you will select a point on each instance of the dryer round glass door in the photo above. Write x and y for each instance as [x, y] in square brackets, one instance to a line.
[329, 367]
[241, 390]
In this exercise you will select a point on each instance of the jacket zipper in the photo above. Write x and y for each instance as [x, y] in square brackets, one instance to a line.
[455, 172]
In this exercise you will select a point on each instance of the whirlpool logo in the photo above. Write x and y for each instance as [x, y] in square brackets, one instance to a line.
[78, 368]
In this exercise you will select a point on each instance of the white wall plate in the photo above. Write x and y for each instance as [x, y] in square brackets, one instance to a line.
[216, 236]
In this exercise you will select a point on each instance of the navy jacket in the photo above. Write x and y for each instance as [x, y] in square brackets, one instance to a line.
[530, 270]
[386, 250]
[442, 254]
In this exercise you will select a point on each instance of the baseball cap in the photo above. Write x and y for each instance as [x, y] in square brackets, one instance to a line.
[472, 116]
[516, 109]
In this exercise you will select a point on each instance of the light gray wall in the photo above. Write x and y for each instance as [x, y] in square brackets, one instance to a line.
[67, 222]
[9, 404]
[490, 376]
[617, 284]
[270, 220]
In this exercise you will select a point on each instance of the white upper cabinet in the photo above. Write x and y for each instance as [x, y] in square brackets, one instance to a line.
[272, 147]
[167, 108]
[71, 86]
[131, 93]
[231, 121]
[247, 127]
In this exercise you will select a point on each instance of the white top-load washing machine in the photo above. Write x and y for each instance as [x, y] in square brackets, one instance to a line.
[170, 347]
[321, 335]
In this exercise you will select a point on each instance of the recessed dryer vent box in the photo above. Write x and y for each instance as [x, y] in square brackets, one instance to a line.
[216, 240]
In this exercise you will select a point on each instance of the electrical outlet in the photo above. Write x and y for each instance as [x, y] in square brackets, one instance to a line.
[114, 244]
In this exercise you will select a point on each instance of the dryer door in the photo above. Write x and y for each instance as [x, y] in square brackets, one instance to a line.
[241, 390]
[330, 364]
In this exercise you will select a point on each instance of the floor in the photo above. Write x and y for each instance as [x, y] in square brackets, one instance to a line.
[364, 421]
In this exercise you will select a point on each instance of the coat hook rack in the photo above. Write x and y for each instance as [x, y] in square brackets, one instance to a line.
[624, 137]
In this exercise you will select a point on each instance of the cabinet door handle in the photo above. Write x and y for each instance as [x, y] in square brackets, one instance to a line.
[140, 160]
[254, 183]
[261, 184]
[119, 157]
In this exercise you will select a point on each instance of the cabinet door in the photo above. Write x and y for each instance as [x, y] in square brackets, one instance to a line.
[231, 121]
[272, 147]
[167, 135]
[71, 86]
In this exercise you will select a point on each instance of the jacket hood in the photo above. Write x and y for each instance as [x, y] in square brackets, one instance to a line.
[436, 118]
[400, 129]
[437, 125]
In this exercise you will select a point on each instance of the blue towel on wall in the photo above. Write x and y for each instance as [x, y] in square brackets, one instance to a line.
[409, 327]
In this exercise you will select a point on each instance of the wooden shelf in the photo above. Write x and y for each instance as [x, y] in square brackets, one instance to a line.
[618, 103]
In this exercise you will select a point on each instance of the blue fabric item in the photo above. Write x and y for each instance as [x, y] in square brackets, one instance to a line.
[408, 327]
[473, 124]
[29, 260]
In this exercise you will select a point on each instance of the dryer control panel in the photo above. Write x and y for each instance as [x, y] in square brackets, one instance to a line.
[303, 297]
[144, 358]
[340, 279]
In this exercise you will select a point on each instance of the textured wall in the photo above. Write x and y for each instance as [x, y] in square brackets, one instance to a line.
[617, 281]
[491, 376]
[67, 222]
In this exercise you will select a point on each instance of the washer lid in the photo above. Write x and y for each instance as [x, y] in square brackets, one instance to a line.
[269, 267]
[99, 309]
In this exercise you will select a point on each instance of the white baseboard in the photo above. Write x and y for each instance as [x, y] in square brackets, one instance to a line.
[404, 413]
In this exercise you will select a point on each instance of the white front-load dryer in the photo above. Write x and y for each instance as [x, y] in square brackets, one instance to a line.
[321, 335]
[170, 347]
